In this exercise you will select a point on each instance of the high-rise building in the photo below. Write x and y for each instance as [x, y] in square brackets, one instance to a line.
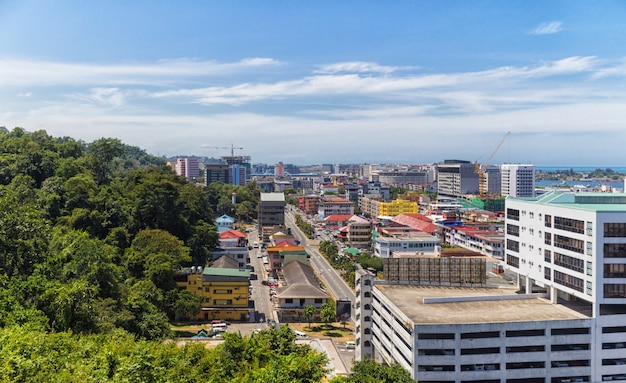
[216, 173]
[237, 173]
[456, 178]
[279, 170]
[562, 321]
[271, 213]
[518, 180]
[188, 167]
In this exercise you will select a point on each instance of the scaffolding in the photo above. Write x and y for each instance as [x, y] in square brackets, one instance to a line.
[436, 271]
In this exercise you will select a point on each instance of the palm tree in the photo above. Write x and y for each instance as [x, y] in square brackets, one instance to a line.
[309, 311]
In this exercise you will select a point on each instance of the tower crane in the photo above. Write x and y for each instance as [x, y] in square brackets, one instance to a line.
[231, 147]
[481, 169]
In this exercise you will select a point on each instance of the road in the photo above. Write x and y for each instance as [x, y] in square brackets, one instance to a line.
[260, 293]
[331, 279]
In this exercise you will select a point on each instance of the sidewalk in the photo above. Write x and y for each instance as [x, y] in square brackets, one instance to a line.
[327, 346]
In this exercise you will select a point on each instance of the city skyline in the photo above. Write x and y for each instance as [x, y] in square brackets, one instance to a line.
[329, 82]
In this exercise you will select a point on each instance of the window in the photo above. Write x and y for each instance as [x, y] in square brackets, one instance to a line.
[480, 335]
[589, 248]
[480, 350]
[547, 256]
[547, 238]
[614, 230]
[548, 220]
[524, 333]
[568, 262]
[617, 290]
[319, 300]
[512, 245]
[222, 291]
[589, 268]
[512, 260]
[567, 243]
[614, 250]
[435, 335]
[547, 273]
[568, 224]
[289, 300]
[589, 228]
[512, 214]
[512, 230]
[570, 331]
[568, 281]
[615, 270]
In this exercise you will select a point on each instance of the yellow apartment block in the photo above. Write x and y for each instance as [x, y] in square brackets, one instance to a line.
[224, 292]
[397, 207]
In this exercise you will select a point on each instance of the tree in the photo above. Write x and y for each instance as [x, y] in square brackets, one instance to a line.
[328, 311]
[309, 311]
[369, 371]
[101, 155]
[155, 254]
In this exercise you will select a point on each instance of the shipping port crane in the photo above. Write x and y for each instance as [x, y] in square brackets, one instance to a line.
[481, 170]
[231, 147]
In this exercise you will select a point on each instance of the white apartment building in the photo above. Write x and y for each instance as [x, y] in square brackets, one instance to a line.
[419, 243]
[518, 180]
[574, 246]
[568, 324]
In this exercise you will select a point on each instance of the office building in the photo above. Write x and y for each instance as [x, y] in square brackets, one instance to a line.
[216, 173]
[518, 180]
[456, 178]
[271, 213]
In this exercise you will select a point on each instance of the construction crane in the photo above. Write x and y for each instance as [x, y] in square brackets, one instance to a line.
[232, 148]
[482, 169]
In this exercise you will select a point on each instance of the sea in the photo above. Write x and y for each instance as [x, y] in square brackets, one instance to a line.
[584, 169]
[579, 183]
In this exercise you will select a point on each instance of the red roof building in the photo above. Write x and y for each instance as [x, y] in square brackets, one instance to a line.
[417, 222]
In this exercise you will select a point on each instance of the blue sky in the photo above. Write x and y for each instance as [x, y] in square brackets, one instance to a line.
[324, 81]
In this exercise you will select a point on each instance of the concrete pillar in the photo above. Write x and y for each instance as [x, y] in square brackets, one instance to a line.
[553, 295]
[528, 285]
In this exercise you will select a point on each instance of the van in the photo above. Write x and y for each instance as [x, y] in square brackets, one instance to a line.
[350, 344]
[300, 334]
[255, 245]
[219, 327]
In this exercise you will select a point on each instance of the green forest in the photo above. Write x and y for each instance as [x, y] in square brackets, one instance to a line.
[90, 236]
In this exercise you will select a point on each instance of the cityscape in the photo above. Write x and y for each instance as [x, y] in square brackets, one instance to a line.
[509, 282]
[336, 192]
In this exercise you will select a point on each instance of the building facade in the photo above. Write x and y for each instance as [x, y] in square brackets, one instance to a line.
[188, 167]
[332, 205]
[456, 178]
[518, 180]
[216, 173]
[573, 245]
[271, 213]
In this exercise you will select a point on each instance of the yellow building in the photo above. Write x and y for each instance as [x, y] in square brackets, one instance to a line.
[224, 292]
[397, 207]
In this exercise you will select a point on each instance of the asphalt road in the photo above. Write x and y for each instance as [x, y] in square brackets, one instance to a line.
[259, 293]
[331, 279]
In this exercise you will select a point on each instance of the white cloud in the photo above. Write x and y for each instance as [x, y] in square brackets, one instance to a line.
[359, 67]
[376, 86]
[548, 28]
[24, 94]
[14, 72]
[546, 105]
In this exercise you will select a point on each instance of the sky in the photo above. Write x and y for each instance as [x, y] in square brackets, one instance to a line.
[308, 82]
